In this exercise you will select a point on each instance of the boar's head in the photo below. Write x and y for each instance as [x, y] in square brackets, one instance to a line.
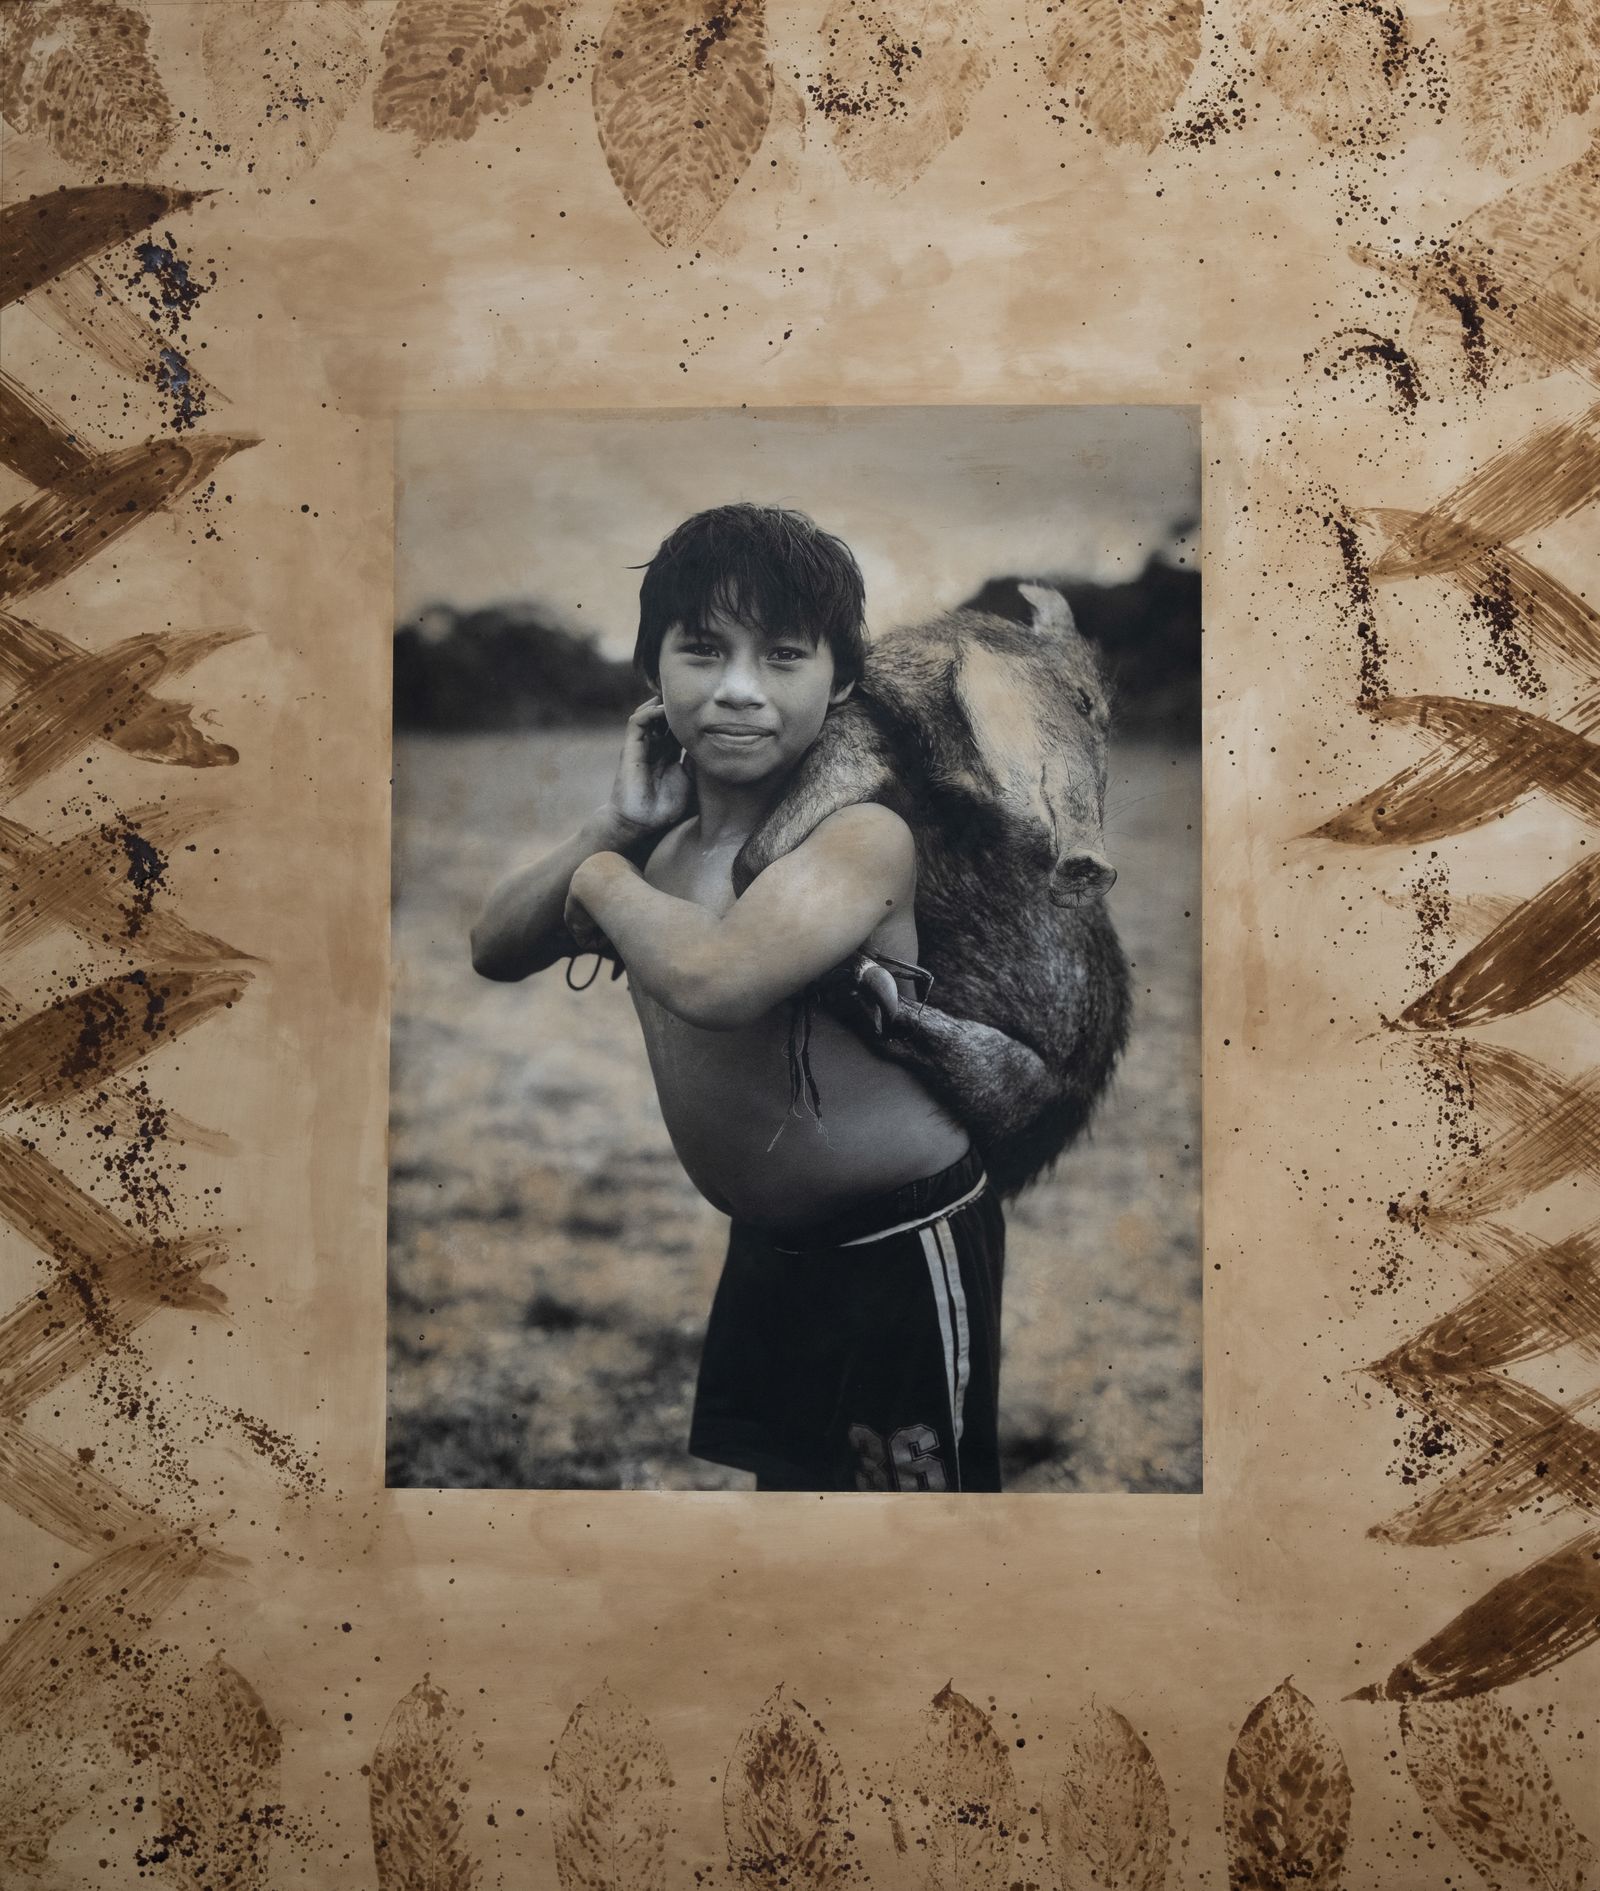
[1009, 721]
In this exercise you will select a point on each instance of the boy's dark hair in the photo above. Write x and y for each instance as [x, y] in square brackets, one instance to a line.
[763, 563]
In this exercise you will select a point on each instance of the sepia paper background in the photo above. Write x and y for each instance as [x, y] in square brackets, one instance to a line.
[1361, 238]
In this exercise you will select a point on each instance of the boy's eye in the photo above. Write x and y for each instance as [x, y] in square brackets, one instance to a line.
[789, 653]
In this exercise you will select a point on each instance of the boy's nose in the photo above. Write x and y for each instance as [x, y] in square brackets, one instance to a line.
[740, 684]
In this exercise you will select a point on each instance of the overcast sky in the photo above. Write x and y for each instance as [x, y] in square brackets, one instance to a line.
[554, 507]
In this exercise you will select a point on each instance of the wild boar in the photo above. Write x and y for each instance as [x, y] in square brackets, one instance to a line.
[989, 737]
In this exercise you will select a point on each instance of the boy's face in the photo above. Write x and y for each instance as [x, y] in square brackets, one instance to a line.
[744, 704]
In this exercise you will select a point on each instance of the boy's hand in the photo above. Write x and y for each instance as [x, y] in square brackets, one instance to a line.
[652, 789]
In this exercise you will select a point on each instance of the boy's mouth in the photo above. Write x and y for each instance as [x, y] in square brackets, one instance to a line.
[735, 735]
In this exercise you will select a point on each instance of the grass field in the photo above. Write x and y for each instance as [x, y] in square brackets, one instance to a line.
[550, 1267]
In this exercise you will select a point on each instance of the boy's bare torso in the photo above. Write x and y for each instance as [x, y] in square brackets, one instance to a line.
[725, 1095]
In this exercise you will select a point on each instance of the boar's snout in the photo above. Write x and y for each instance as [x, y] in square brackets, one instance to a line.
[1077, 878]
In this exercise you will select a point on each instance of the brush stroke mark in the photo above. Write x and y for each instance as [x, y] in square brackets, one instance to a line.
[1520, 1479]
[953, 1800]
[895, 88]
[219, 1795]
[43, 539]
[83, 1631]
[45, 235]
[1540, 246]
[279, 79]
[1537, 1297]
[108, 1279]
[80, 1039]
[102, 881]
[682, 99]
[413, 1796]
[66, 1496]
[1554, 472]
[1522, 65]
[121, 1107]
[785, 1804]
[85, 307]
[89, 698]
[610, 1798]
[1365, 348]
[1286, 1798]
[1548, 940]
[38, 444]
[150, 728]
[79, 74]
[1513, 595]
[1493, 757]
[1516, 283]
[1537, 1455]
[1485, 1784]
[1126, 63]
[1533, 1621]
[1346, 69]
[1542, 1129]
[1112, 1830]
[1483, 911]
[450, 65]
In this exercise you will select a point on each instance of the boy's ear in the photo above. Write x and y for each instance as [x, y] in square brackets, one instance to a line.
[839, 692]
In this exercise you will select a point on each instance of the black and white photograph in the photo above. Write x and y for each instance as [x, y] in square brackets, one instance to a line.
[795, 1056]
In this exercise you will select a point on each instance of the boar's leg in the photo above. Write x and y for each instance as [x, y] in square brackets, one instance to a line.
[846, 764]
[996, 1087]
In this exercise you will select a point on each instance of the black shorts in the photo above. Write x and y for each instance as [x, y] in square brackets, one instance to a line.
[864, 1353]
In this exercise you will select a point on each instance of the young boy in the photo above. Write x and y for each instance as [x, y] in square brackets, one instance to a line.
[853, 1342]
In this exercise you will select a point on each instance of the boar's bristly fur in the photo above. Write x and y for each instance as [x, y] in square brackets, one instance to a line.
[989, 737]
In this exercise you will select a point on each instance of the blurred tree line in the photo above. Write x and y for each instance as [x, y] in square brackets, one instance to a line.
[507, 666]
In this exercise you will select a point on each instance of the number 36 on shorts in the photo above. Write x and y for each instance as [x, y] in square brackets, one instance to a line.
[910, 1460]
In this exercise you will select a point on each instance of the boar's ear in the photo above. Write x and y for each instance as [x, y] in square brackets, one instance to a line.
[1052, 614]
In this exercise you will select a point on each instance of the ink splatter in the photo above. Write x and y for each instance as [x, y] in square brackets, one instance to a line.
[1366, 349]
[1373, 683]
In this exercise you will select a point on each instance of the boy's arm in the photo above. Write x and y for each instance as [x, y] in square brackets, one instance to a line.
[522, 928]
[797, 920]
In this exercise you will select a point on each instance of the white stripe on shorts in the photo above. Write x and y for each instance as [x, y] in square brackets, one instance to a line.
[952, 1312]
[958, 1306]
